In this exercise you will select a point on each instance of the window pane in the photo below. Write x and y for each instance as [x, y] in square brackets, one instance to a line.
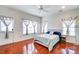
[3, 27]
[24, 29]
[72, 31]
[44, 27]
[36, 28]
[64, 31]
[10, 27]
[30, 28]
[71, 25]
[64, 25]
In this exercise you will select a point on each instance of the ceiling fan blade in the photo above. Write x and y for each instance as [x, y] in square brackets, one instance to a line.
[45, 10]
[42, 8]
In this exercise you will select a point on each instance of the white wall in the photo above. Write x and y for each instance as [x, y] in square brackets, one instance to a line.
[17, 15]
[56, 23]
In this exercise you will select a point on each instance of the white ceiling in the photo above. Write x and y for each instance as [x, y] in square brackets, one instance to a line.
[33, 9]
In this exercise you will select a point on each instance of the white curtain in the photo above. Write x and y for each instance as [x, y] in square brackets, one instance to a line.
[6, 21]
[26, 23]
[69, 27]
[35, 26]
[29, 27]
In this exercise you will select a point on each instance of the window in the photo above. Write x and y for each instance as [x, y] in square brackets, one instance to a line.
[3, 27]
[71, 28]
[24, 28]
[35, 26]
[44, 27]
[30, 27]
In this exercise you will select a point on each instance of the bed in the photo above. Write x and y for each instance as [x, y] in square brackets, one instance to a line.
[47, 40]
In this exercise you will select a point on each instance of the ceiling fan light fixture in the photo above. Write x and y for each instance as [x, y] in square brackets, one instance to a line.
[63, 7]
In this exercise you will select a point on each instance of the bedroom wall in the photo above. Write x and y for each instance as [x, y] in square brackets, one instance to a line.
[17, 15]
[55, 23]
[52, 23]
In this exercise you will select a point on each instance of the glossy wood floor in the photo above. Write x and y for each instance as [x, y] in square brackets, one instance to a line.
[60, 48]
[31, 47]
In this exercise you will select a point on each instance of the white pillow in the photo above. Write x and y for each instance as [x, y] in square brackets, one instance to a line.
[51, 32]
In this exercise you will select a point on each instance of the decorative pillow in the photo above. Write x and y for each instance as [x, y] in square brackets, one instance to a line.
[57, 33]
[47, 32]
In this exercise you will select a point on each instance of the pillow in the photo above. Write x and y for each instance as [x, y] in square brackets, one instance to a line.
[47, 32]
[57, 33]
[51, 33]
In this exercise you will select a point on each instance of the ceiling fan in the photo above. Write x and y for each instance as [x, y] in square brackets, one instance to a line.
[41, 8]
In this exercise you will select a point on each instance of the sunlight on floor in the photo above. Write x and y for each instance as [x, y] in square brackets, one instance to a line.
[29, 49]
[67, 51]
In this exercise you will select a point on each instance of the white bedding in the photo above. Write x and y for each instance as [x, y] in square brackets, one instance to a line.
[47, 40]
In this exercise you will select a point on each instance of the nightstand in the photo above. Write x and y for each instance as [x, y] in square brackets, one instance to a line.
[63, 38]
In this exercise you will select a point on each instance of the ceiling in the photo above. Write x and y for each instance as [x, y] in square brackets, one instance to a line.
[34, 9]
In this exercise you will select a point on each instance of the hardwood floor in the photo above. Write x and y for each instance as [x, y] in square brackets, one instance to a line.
[14, 48]
[60, 48]
[28, 46]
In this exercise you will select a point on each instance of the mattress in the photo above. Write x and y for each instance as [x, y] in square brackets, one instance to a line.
[47, 40]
